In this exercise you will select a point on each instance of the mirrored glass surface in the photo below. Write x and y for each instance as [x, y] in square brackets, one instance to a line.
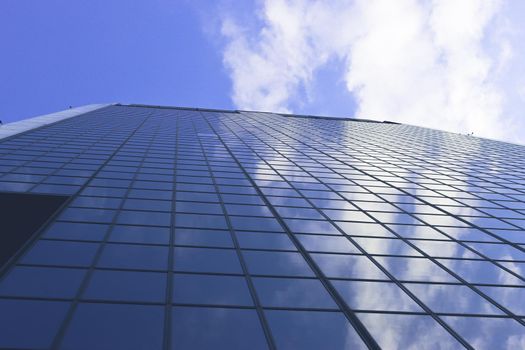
[293, 293]
[377, 296]
[113, 326]
[225, 328]
[407, 331]
[206, 260]
[312, 330]
[415, 269]
[483, 272]
[329, 244]
[210, 290]
[189, 228]
[452, 299]
[488, 333]
[513, 299]
[385, 246]
[348, 266]
[277, 264]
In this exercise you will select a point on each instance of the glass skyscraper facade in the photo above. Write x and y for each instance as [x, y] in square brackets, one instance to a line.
[177, 228]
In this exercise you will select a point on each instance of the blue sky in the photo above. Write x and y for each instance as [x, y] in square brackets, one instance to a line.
[447, 64]
[61, 53]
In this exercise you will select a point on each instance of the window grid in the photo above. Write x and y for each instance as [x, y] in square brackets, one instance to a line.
[201, 216]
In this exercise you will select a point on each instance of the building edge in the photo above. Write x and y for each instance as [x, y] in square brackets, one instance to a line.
[15, 128]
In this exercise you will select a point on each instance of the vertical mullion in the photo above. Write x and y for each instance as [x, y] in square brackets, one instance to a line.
[65, 324]
[247, 276]
[347, 312]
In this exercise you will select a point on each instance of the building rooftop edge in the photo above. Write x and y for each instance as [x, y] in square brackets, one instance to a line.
[18, 127]
[249, 111]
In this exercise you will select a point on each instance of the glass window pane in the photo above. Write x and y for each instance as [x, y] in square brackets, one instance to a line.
[415, 269]
[488, 333]
[377, 296]
[348, 266]
[226, 329]
[443, 298]
[211, 290]
[206, 260]
[293, 293]
[312, 330]
[276, 263]
[407, 331]
[40, 319]
[126, 286]
[115, 326]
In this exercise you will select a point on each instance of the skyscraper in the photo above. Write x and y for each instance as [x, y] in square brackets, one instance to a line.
[148, 227]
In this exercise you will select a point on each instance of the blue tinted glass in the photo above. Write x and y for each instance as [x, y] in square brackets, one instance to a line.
[511, 298]
[248, 210]
[126, 286]
[467, 234]
[481, 272]
[498, 251]
[97, 202]
[333, 204]
[312, 330]
[201, 221]
[276, 263]
[153, 185]
[414, 269]
[206, 260]
[255, 224]
[115, 326]
[330, 244]
[416, 231]
[61, 253]
[140, 234]
[29, 323]
[195, 187]
[407, 332]
[42, 282]
[56, 189]
[386, 246]
[77, 231]
[145, 204]
[444, 298]
[347, 215]
[237, 189]
[377, 296]
[488, 333]
[364, 229]
[242, 199]
[299, 213]
[144, 218]
[202, 237]
[15, 186]
[209, 289]
[259, 240]
[150, 194]
[293, 293]
[199, 208]
[216, 328]
[104, 191]
[288, 201]
[347, 266]
[395, 218]
[311, 226]
[445, 249]
[509, 235]
[85, 214]
[126, 256]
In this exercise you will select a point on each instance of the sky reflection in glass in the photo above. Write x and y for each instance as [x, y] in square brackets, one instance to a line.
[203, 229]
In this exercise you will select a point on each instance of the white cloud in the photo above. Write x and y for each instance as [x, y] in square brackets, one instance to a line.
[444, 64]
